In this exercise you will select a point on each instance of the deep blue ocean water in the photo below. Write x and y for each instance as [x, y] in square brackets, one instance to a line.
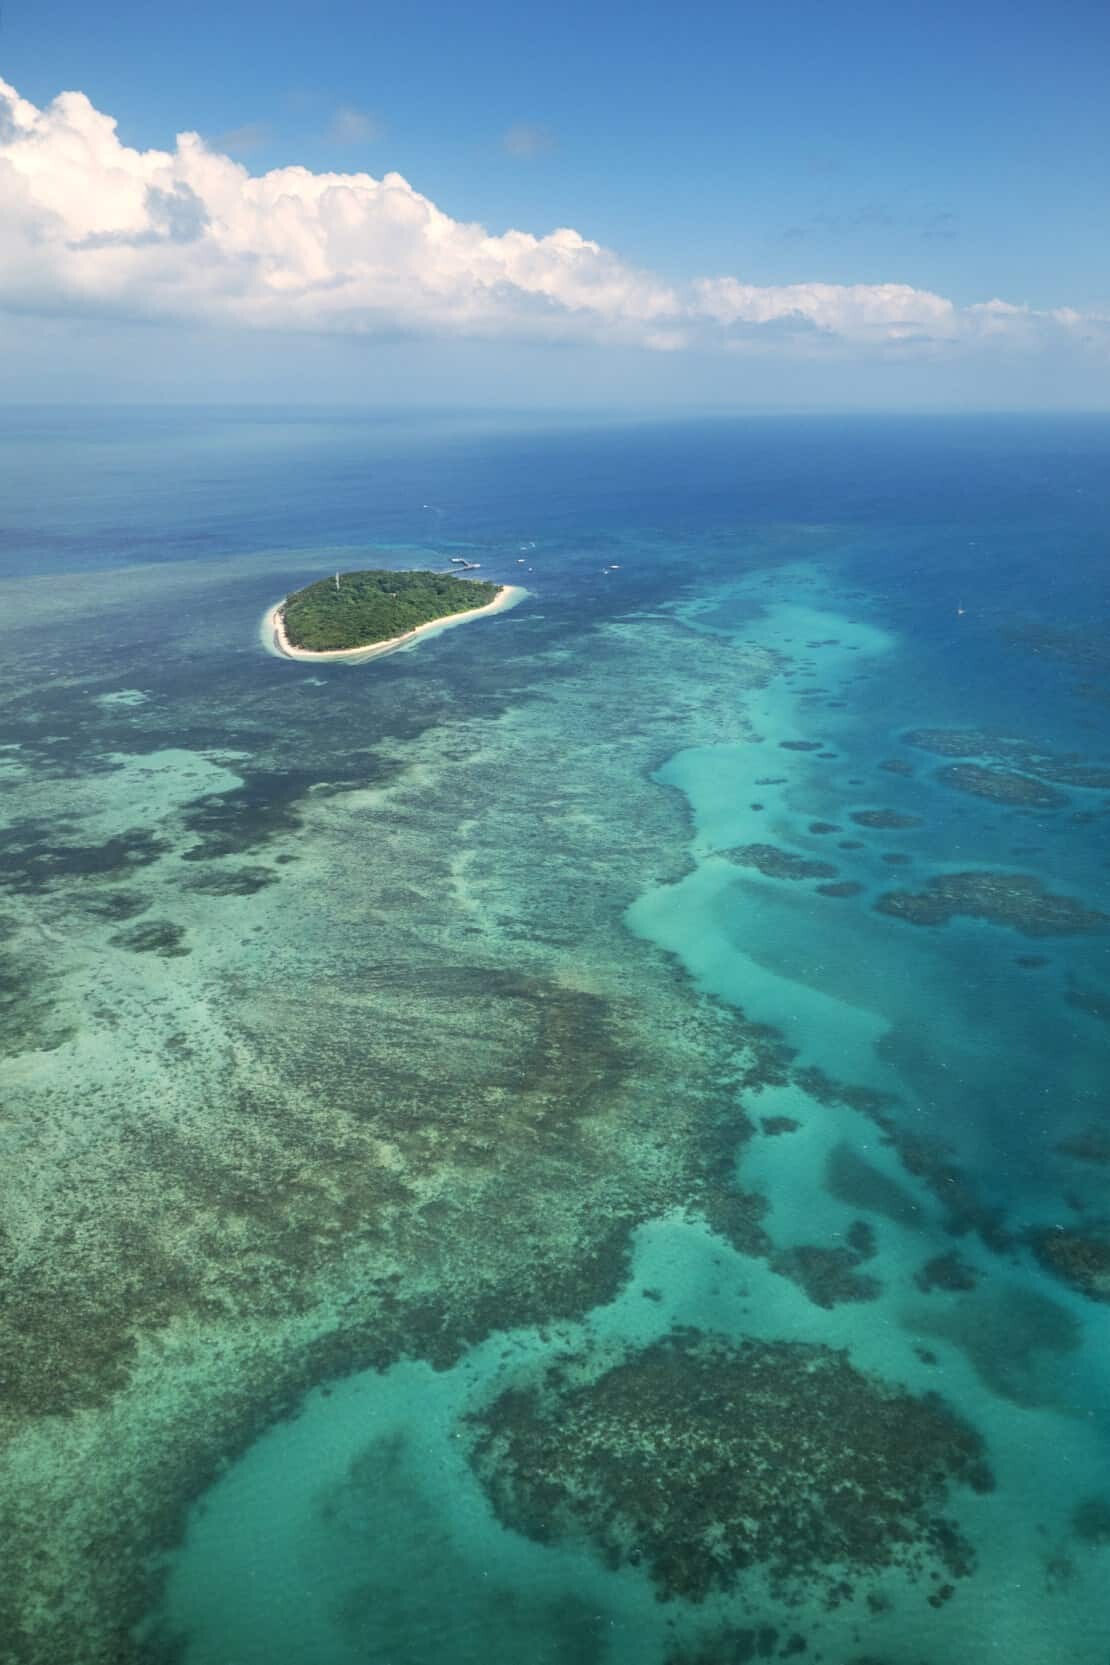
[711, 953]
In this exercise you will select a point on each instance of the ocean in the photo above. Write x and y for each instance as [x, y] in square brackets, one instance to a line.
[585, 1140]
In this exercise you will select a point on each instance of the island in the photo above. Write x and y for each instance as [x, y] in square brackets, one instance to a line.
[361, 615]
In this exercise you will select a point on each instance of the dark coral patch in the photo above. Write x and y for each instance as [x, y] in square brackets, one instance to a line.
[1010, 751]
[1092, 1145]
[828, 1276]
[946, 1271]
[1091, 1520]
[1079, 1258]
[153, 936]
[1000, 786]
[774, 863]
[33, 860]
[1012, 1335]
[700, 1459]
[264, 807]
[232, 881]
[1017, 900]
[853, 1180]
[115, 905]
[886, 820]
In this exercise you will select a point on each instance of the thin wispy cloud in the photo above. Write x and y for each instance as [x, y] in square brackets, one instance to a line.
[353, 127]
[94, 227]
[876, 218]
[943, 227]
[525, 139]
[245, 140]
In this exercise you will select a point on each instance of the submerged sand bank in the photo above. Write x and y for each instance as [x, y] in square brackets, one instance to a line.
[507, 596]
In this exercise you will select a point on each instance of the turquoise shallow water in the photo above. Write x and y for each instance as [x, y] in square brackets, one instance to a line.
[584, 1140]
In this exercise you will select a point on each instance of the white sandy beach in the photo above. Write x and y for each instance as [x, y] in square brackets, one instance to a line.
[507, 596]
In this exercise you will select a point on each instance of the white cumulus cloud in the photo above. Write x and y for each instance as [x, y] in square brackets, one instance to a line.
[865, 311]
[93, 226]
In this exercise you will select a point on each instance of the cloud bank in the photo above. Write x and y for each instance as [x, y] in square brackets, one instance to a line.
[93, 227]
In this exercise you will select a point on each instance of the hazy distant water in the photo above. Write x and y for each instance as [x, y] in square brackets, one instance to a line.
[403, 1034]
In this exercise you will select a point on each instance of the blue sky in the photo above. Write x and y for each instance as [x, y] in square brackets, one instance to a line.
[958, 150]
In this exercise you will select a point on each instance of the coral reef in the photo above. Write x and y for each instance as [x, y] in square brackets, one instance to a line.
[153, 936]
[116, 905]
[1079, 1258]
[30, 1019]
[827, 1275]
[852, 1179]
[856, 1181]
[886, 820]
[1014, 1337]
[1091, 1520]
[947, 1271]
[993, 751]
[422, 1093]
[1017, 900]
[1092, 1145]
[1000, 786]
[32, 859]
[232, 881]
[774, 863]
[701, 1459]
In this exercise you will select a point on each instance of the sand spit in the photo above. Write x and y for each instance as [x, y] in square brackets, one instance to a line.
[274, 631]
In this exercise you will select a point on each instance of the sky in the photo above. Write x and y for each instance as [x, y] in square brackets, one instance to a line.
[647, 205]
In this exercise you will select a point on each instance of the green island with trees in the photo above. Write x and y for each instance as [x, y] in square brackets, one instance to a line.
[357, 609]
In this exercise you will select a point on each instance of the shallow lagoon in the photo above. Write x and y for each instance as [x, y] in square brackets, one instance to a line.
[394, 1035]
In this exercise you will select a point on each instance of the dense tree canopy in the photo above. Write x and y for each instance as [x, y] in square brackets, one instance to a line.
[369, 607]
